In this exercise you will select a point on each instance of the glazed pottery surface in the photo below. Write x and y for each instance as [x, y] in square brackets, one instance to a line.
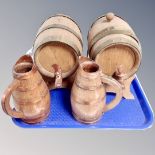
[29, 91]
[88, 95]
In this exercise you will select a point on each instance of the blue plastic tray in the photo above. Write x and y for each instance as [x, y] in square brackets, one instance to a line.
[129, 114]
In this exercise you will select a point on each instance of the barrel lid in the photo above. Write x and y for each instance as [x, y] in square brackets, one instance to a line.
[56, 53]
[133, 49]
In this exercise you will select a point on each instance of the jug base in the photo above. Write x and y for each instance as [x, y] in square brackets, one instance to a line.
[37, 120]
[86, 121]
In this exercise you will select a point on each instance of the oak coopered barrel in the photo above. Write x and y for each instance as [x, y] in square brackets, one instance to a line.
[58, 41]
[113, 44]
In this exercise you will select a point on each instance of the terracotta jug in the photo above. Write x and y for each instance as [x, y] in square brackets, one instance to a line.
[29, 91]
[88, 95]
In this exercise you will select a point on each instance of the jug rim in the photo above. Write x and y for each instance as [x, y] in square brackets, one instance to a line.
[27, 62]
[90, 67]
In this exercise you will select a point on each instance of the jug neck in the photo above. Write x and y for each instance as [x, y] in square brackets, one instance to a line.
[24, 67]
[88, 76]
[89, 69]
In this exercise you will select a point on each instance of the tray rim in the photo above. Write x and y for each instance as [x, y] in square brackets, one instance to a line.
[149, 124]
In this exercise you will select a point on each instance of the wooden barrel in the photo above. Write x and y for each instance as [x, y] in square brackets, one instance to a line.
[58, 41]
[114, 46]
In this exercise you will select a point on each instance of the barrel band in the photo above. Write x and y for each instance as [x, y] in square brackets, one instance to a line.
[62, 15]
[109, 31]
[61, 27]
[121, 41]
[115, 41]
[56, 39]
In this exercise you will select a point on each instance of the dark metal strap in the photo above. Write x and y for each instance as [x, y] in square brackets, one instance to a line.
[61, 27]
[62, 15]
[109, 31]
[115, 41]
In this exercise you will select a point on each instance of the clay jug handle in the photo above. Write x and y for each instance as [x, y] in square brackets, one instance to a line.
[118, 90]
[58, 75]
[6, 101]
